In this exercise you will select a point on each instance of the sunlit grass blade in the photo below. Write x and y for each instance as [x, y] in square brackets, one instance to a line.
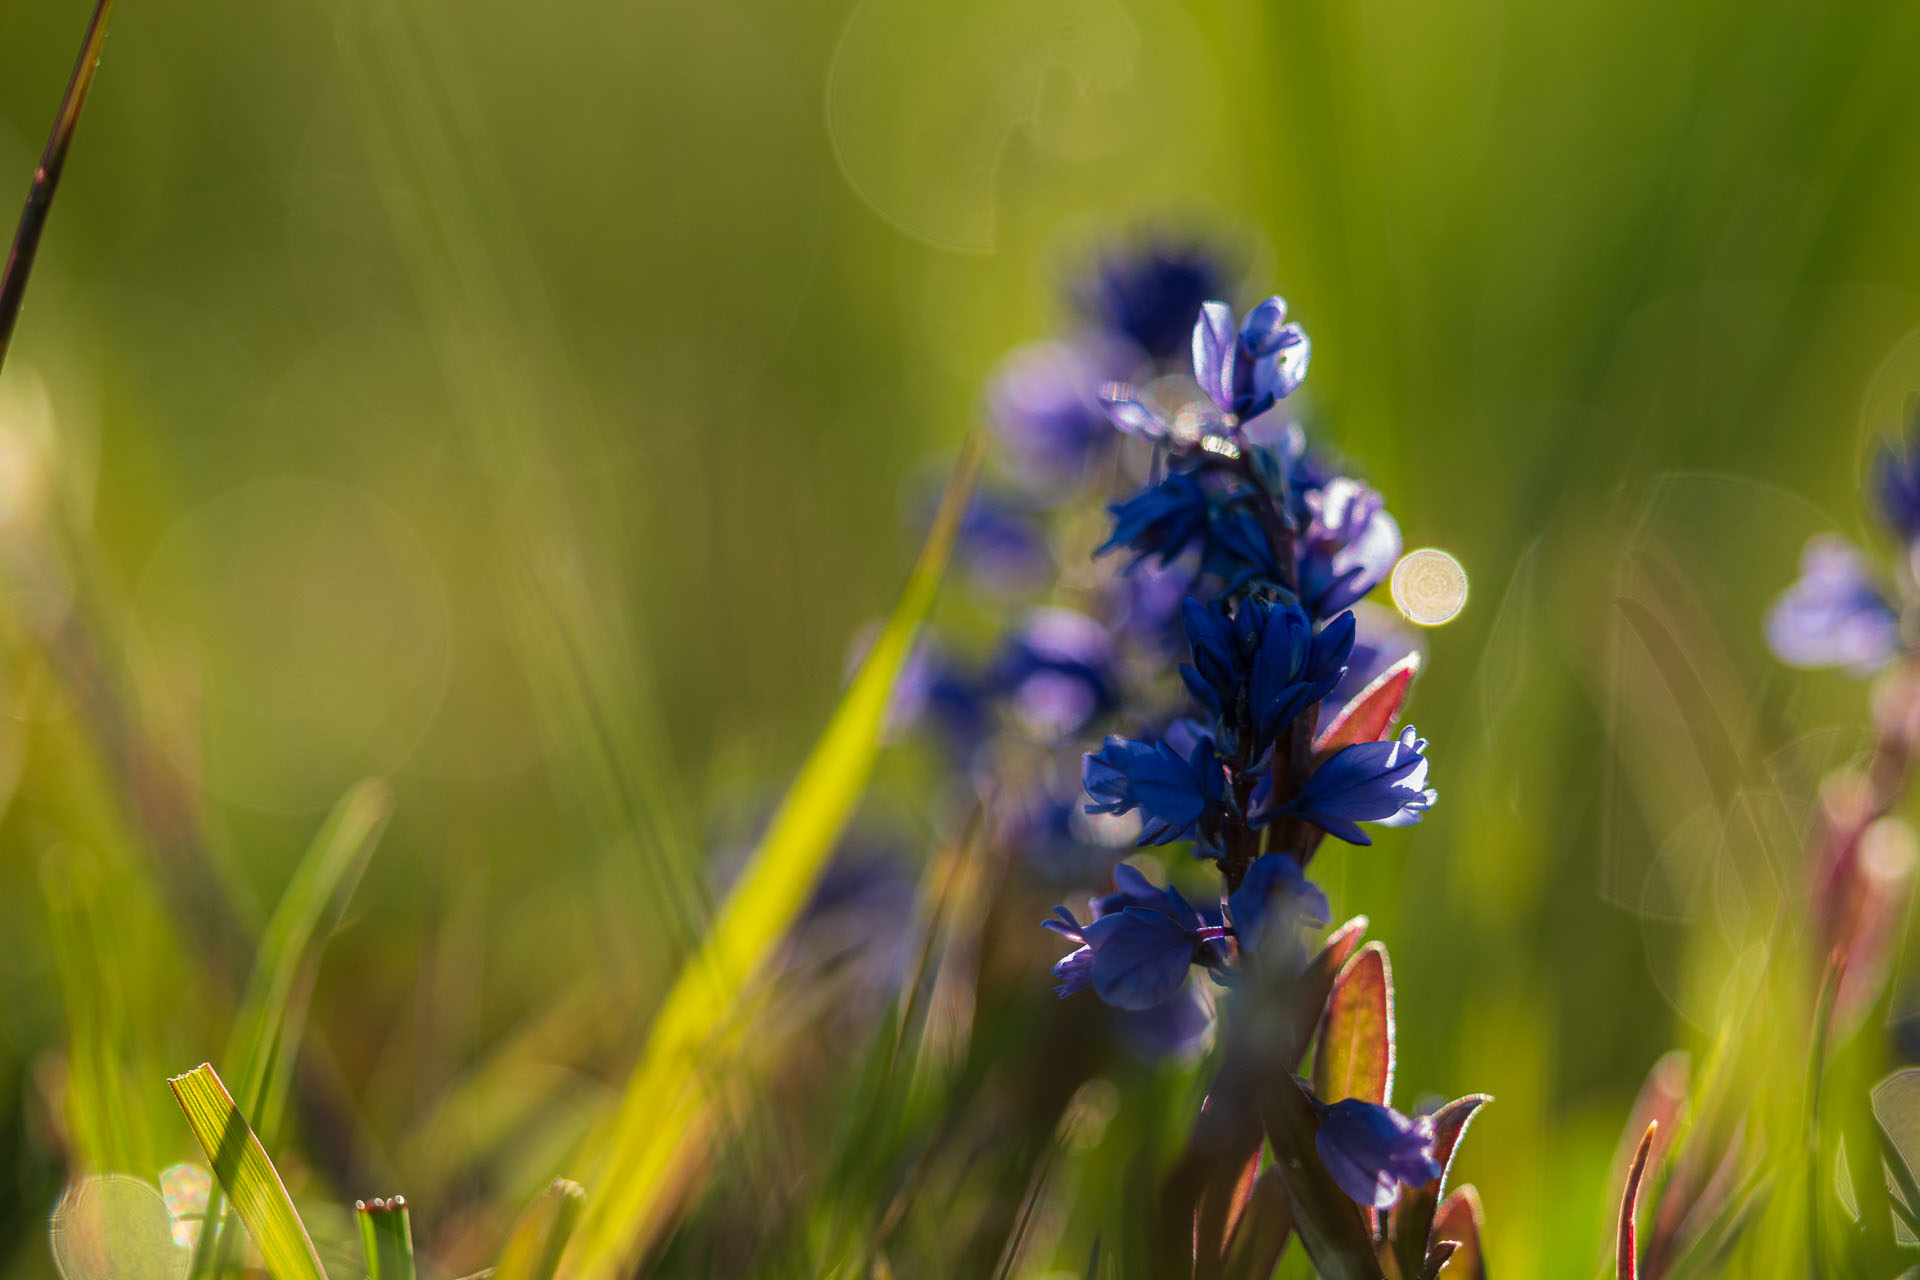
[266, 1033]
[108, 1128]
[386, 1234]
[533, 1251]
[248, 1178]
[46, 177]
[665, 1108]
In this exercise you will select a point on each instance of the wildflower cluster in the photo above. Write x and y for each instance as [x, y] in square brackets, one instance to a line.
[1224, 608]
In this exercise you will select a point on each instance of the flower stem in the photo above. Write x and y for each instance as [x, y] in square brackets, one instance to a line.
[46, 177]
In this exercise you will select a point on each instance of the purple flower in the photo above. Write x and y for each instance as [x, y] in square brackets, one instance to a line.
[1350, 546]
[1137, 948]
[1274, 888]
[1896, 485]
[1175, 795]
[1002, 548]
[1152, 296]
[1057, 673]
[1371, 1150]
[1169, 518]
[1834, 616]
[1245, 373]
[1262, 665]
[1042, 403]
[1384, 782]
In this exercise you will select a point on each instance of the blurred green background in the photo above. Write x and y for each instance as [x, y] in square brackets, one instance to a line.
[517, 401]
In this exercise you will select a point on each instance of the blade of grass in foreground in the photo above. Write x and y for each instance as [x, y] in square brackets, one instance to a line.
[666, 1107]
[241, 1167]
[386, 1236]
[533, 1251]
[266, 1034]
[46, 178]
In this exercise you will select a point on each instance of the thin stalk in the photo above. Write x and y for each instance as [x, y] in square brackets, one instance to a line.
[46, 178]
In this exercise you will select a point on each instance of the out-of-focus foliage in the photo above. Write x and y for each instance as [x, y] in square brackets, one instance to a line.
[516, 402]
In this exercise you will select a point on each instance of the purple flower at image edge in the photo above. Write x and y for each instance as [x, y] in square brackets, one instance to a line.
[1372, 1151]
[1896, 484]
[1835, 615]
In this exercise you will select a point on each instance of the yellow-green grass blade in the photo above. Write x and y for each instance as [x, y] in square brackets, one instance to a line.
[248, 1178]
[386, 1233]
[266, 1033]
[666, 1107]
[533, 1251]
[108, 1125]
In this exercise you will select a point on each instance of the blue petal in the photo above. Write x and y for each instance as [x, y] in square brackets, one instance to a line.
[1140, 957]
[1834, 616]
[1213, 344]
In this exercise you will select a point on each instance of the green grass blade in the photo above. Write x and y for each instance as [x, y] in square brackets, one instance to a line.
[533, 1251]
[108, 1128]
[666, 1105]
[266, 1033]
[267, 1030]
[386, 1233]
[241, 1167]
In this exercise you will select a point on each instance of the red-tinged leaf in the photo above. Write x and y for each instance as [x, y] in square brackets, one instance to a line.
[1263, 1232]
[1372, 713]
[1411, 1221]
[1316, 983]
[1335, 1232]
[1226, 1135]
[1218, 1215]
[1442, 1254]
[1459, 1221]
[1625, 1254]
[1355, 1054]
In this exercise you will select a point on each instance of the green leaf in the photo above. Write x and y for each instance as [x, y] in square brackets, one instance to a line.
[251, 1183]
[386, 1233]
[266, 1032]
[1355, 1054]
[108, 1126]
[533, 1250]
[666, 1111]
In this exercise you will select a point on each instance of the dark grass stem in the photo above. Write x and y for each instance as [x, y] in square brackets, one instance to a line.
[46, 178]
